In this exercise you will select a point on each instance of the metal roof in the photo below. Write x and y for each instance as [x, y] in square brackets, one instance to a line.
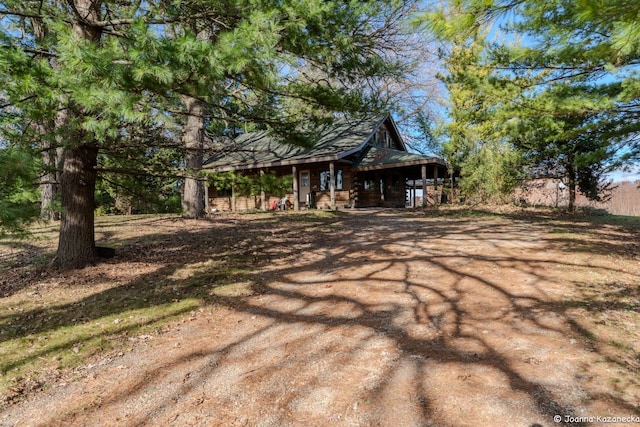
[335, 142]
[385, 158]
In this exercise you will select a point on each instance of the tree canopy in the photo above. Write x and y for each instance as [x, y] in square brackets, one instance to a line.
[571, 68]
[124, 96]
[78, 75]
[18, 201]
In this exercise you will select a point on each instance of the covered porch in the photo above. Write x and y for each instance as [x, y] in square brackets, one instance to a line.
[340, 185]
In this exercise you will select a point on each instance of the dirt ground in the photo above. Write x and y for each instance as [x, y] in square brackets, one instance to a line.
[368, 318]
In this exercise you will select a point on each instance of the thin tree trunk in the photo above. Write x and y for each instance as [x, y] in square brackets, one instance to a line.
[49, 186]
[52, 159]
[48, 181]
[76, 246]
[193, 140]
[572, 189]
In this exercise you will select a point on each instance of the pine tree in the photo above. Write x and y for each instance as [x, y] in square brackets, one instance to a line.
[18, 196]
[476, 134]
[572, 145]
[101, 66]
[573, 63]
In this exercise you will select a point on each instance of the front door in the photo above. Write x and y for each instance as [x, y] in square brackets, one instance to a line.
[305, 185]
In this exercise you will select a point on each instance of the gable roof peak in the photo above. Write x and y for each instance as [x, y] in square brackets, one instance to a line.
[345, 136]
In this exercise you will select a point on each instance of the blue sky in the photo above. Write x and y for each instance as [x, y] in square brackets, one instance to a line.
[632, 175]
[632, 172]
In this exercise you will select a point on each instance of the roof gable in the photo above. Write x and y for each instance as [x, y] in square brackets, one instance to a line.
[337, 141]
[352, 140]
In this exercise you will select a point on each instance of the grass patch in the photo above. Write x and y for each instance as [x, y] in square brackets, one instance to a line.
[628, 222]
[64, 344]
[233, 290]
[563, 231]
[42, 337]
[619, 345]
[51, 321]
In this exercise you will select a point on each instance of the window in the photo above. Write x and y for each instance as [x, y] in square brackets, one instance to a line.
[369, 182]
[304, 179]
[325, 180]
[382, 138]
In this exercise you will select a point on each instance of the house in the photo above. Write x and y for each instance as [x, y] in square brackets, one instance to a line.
[355, 163]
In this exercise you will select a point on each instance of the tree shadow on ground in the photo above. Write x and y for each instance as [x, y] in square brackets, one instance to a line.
[228, 257]
[411, 316]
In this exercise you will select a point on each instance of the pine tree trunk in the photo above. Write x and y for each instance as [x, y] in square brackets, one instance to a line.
[49, 183]
[50, 155]
[49, 186]
[193, 140]
[76, 246]
[52, 162]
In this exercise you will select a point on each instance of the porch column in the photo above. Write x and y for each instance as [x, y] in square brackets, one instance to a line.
[263, 203]
[206, 197]
[296, 201]
[424, 185]
[413, 197]
[435, 185]
[412, 191]
[452, 188]
[233, 198]
[332, 185]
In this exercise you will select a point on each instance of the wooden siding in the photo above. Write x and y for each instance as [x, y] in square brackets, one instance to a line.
[225, 203]
[354, 192]
[218, 204]
[322, 197]
[342, 199]
[379, 188]
[243, 203]
[395, 191]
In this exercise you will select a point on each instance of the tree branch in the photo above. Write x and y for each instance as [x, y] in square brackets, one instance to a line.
[11, 104]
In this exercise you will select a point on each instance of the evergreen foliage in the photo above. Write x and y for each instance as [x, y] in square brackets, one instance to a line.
[77, 76]
[18, 197]
[476, 137]
[251, 185]
[572, 72]
[140, 182]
